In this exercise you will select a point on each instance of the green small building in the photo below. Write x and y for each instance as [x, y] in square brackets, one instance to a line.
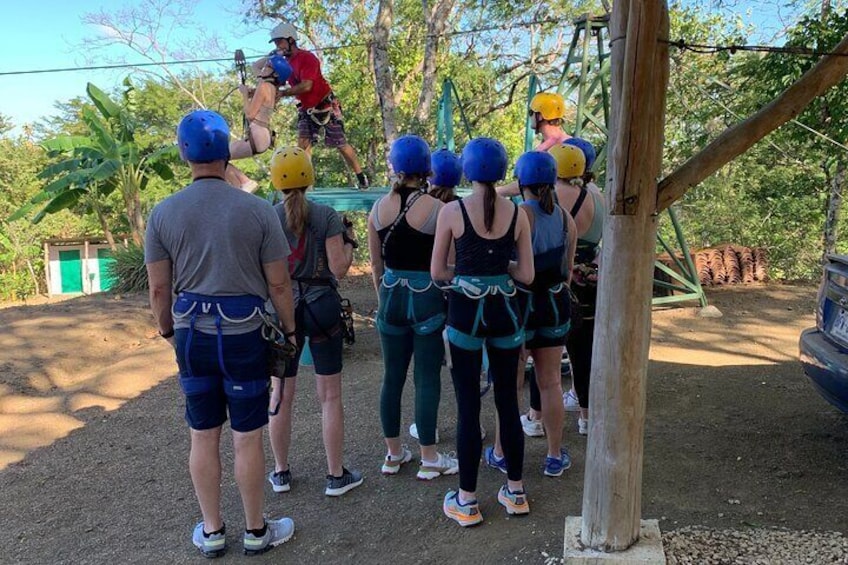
[78, 265]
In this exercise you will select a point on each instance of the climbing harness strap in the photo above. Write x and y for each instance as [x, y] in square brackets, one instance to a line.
[417, 283]
[401, 215]
[233, 309]
[479, 288]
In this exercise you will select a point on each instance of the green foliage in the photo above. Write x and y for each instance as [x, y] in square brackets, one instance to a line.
[128, 270]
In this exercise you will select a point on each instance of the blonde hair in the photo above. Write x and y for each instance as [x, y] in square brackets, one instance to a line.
[297, 210]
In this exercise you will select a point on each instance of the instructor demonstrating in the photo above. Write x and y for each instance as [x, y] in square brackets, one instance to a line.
[319, 111]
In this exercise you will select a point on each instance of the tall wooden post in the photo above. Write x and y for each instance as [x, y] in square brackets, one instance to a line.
[613, 483]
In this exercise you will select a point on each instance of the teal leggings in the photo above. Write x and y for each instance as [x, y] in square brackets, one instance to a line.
[398, 351]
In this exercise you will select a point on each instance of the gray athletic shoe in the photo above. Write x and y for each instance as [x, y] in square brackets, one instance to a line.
[277, 532]
[211, 546]
[280, 480]
[337, 486]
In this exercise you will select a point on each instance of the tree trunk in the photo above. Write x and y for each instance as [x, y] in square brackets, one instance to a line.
[383, 80]
[612, 491]
[436, 18]
[34, 277]
[834, 207]
[104, 225]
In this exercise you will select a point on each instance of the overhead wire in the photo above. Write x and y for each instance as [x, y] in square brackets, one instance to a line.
[453, 33]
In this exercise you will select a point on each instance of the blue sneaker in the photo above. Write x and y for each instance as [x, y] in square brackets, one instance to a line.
[276, 532]
[494, 461]
[212, 545]
[554, 466]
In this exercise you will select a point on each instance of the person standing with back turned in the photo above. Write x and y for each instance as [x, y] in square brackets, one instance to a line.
[222, 252]
[482, 310]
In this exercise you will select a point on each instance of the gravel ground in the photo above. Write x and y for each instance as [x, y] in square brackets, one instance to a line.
[757, 546]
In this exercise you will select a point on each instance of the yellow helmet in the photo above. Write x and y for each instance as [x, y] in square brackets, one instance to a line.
[291, 168]
[550, 104]
[571, 161]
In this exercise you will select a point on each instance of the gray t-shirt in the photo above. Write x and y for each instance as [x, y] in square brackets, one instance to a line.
[308, 258]
[217, 238]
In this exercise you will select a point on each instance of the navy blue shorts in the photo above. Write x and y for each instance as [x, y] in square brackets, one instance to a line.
[320, 320]
[245, 359]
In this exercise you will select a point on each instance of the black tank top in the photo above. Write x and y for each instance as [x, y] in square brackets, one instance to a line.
[483, 257]
[407, 249]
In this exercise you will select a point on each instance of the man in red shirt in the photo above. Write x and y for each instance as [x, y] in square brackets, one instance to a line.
[319, 111]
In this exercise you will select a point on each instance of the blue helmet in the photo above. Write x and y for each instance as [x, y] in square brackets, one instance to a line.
[586, 147]
[203, 136]
[536, 167]
[281, 67]
[484, 160]
[410, 155]
[447, 168]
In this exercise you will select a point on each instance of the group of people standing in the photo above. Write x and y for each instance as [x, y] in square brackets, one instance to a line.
[233, 278]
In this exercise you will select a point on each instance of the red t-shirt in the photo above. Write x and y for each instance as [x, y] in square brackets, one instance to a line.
[306, 66]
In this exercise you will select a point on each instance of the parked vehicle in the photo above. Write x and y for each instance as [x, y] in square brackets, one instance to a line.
[824, 348]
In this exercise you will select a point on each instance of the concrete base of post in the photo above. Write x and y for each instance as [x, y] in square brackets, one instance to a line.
[647, 551]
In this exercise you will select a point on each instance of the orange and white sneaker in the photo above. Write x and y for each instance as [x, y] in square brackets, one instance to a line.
[464, 514]
[392, 464]
[514, 502]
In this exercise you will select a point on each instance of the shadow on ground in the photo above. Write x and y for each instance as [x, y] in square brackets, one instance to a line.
[728, 444]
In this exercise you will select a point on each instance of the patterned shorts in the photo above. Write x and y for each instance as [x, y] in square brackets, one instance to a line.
[333, 132]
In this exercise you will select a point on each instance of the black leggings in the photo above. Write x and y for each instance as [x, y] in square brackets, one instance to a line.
[579, 346]
[503, 365]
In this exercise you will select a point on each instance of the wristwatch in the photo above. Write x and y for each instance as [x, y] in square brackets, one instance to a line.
[168, 334]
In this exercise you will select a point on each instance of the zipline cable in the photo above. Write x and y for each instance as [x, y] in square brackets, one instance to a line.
[229, 59]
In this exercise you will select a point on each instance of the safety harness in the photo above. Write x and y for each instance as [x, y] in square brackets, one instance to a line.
[235, 310]
[479, 288]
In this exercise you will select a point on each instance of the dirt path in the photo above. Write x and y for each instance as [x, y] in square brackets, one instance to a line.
[93, 446]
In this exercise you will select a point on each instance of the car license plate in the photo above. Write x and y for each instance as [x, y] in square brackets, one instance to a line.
[839, 329]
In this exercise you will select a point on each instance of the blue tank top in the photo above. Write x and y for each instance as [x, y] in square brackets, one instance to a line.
[483, 257]
[550, 241]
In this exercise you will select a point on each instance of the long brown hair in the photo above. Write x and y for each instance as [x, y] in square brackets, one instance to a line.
[490, 197]
[297, 210]
[545, 194]
[444, 193]
[401, 187]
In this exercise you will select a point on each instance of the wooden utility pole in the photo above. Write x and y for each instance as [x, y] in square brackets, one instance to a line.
[612, 492]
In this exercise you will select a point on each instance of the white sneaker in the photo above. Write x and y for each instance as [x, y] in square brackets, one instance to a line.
[583, 426]
[391, 465]
[445, 465]
[413, 431]
[532, 428]
[570, 402]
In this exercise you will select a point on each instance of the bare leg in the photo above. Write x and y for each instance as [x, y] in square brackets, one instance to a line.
[349, 155]
[250, 475]
[548, 377]
[280, 426]
[235, 176]
[332, 420]
[306, 144]
[204, 463]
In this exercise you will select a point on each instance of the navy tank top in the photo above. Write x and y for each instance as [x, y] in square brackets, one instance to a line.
[483, 257]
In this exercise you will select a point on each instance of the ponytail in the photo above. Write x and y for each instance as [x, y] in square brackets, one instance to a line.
[490, 197]
[545, 192]
[402, 187]
[444, 193]
[297, 210]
